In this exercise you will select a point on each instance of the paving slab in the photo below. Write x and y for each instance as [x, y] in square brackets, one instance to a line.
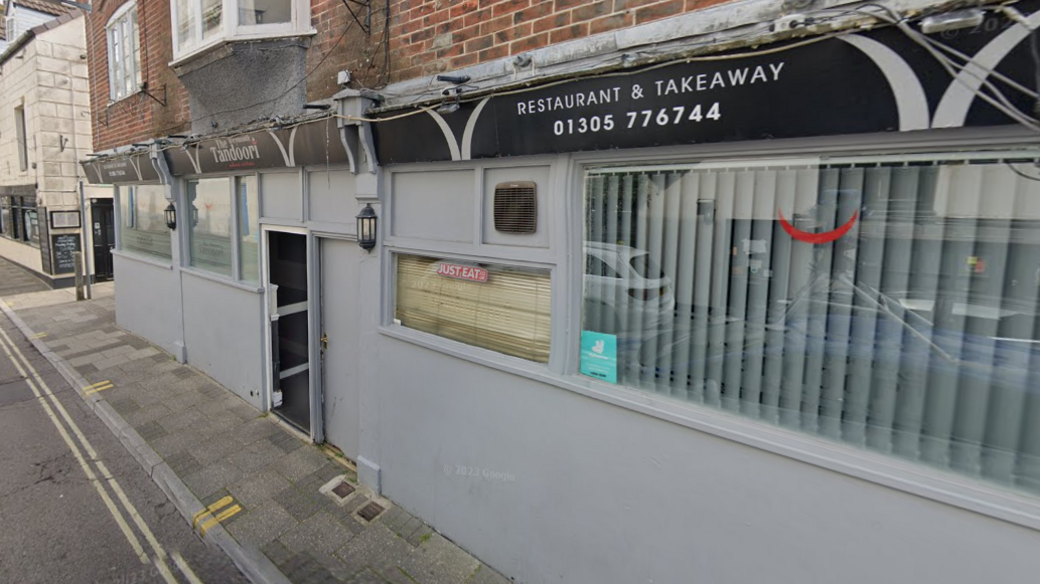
[208, 447]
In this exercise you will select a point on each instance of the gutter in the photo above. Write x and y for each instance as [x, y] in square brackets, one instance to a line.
[27, 36]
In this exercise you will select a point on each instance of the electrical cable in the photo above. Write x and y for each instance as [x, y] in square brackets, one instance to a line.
[1022, 174]
[293, 86]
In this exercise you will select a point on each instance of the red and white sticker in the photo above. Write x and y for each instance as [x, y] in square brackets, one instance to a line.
[463, 272]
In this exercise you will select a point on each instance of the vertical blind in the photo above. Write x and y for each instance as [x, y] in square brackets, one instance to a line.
[912, 333]
[508, 313]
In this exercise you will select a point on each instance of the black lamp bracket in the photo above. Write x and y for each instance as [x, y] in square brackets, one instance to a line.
[366, 7]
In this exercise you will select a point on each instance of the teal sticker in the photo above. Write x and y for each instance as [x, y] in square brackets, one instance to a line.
[599, 356]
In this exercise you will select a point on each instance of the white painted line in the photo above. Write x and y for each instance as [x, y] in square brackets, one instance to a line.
[130, 537]
[127, 505]
[185, 568]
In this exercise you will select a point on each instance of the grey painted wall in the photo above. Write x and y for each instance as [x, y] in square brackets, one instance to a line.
[223, 335]
[434, 205]
[148, 301]
[602, 494]
[331, 195]
[281, 196]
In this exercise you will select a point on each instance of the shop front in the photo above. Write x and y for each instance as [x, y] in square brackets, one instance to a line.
[220, 243]
[716, 315]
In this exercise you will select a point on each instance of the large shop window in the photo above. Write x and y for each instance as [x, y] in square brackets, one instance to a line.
[887, 303]
[248, 203]
[201, 23]
[491, 306]
[19, 219]
[209, 209]
[124, 53]
[143, 227]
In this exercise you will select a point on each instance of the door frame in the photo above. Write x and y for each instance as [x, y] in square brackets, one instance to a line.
[313, 356]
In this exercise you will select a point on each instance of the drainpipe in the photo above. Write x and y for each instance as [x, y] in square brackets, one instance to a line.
[170, 190]
[83, 226]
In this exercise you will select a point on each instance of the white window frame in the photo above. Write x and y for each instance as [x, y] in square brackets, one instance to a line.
[231, 30]
[125, 19]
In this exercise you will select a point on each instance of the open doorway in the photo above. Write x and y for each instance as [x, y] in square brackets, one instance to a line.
[289, 321]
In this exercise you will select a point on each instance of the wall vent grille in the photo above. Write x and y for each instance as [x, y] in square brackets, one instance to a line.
[516, 208]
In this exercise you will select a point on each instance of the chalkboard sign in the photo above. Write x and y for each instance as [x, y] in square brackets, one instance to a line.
[64, 246]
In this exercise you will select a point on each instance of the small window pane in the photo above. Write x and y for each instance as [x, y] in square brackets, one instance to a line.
[185, 24]
[209, 219]
[264, 11]
[143, 224]
[496, 307]
[249, 228]
[212, 13]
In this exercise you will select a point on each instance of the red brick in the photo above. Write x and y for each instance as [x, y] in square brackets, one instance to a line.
[511, 34]
[575, 31]
[692, 5]
[561, 5]
[494, 53]
[659, 11]
[465, 34]
[591, 10]
[535, 11]
[529, 44]
[551, 22]
[509, 7]
[435, 18]
[477, 17]
[496, 25]
[452, 51]
[479, 44]
[464, 8]
[612, 22]
[465, 60]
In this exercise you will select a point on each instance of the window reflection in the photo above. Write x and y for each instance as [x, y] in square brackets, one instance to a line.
[887, 304]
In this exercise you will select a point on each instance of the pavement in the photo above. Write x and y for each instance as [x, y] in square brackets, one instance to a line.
[283, 509]
[75, 505]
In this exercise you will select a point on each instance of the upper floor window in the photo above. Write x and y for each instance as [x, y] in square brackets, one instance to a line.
[124, 53]
[198, 24]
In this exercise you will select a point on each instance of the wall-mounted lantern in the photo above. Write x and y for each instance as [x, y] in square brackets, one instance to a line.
[366, 228]
[171, 216]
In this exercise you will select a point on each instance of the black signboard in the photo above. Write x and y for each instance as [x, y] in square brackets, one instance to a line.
[313, 143]
[862, 82]
[64, 246]
[124, 169]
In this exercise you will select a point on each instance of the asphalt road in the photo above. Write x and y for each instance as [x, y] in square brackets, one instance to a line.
[69, 492]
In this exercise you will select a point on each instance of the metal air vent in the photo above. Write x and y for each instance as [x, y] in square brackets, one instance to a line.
[516, 207]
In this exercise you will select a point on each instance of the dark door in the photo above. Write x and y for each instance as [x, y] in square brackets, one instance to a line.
[290, 324]
[104, 238]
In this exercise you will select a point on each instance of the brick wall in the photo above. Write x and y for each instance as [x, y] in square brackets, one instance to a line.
[433, 36]
[138, 117]
[339, 44]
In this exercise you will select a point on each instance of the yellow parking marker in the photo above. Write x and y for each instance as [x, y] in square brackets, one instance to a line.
[41, 335]
[96, 387]
[222, 516]
[213, 508]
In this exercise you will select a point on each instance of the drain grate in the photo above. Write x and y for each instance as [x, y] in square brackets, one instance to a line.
[343, 490]
[370, 511]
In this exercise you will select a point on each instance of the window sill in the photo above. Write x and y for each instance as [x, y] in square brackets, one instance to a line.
[142, 258]
[113, 102]
[219, 279]
[922, 481]
[220, 42]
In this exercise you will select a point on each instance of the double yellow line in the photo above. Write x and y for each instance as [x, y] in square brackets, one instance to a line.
[96, 387]
[103, 477]
[214, 517]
